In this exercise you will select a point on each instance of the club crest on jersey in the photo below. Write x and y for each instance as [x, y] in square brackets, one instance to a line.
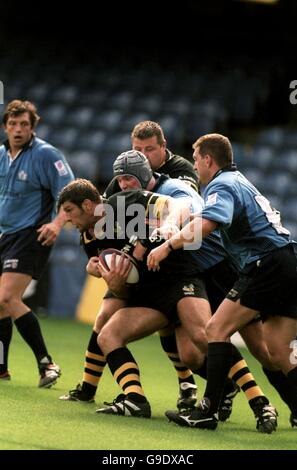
[211, 199]
[61, 168]
[189, 290]
[22, 175]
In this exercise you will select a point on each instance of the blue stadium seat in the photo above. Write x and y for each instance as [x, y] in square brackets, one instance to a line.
[67, 94]
[107, 119]
[91, 140]
[263, 156]
[84, 164]
[80, 117]
[54, 114]
[65, 137]
[274, 136]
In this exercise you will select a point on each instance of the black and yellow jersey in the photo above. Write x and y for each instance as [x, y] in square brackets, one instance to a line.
[149, 207]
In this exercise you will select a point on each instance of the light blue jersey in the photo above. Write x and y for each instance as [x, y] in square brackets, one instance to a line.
[250, 228]
[29, 185]
[212, 250]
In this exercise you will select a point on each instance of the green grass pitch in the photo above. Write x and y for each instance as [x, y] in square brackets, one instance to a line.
[33, 418]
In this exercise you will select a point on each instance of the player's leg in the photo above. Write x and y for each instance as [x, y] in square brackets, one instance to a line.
[94, 358]
[279, 334]
[227, 319]
[187, 387]
[6, 327]
[126, 325]
[12, 288]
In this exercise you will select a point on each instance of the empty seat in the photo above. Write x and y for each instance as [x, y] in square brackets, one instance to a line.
[84, 164]
[66, 94]
[263, 156]
[80, 117]
[107, 119]
[65, 137]
[91, 140]
[54, 114]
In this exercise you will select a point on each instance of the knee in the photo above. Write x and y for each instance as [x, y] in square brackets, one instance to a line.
[101, 319]
[6, 299]
[261, 353]
[103, 338]
[199, 338]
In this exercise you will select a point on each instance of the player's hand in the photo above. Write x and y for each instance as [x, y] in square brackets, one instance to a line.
[164, 232]
[48, 233]
[156, 256]
[117, 276]
[92, 266]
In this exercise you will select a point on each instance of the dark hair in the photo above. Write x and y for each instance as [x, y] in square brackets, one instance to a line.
[77, 191]
[146, 129]
[217, 146]
[18, 107]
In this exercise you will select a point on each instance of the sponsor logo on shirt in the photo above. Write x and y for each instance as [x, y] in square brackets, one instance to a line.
[211, 199]
[61, 168]
[10, 264]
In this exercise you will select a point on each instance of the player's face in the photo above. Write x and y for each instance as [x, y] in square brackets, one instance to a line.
[18, 130]
[81, 219]
[200, 165]
[154, 152]
[128, 182]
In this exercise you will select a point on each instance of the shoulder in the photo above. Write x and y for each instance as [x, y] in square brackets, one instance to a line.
[176, 162]
[41, 147]
[2, 150]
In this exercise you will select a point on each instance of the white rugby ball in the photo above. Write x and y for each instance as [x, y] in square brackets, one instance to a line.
[105, 262]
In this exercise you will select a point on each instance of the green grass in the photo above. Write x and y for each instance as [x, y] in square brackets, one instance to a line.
[33, 418]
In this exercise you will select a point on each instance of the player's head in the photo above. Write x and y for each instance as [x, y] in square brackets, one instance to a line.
[132, 170]
[211, 152]
[81, 203]
[148, 137]
[19, 120]
[17, 107]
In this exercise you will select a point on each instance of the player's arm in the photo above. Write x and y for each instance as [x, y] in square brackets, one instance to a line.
[192, 234]
[117, 276]
[92, 267]
[49, 232]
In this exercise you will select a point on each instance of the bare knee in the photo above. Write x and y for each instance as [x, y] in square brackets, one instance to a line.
[110, 338]
[6, 302]
[261, 353]
[108, 308]
[199, 338]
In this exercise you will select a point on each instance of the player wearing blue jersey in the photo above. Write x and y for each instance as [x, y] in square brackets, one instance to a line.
[133, 172]
[255, 239]
[32, 172]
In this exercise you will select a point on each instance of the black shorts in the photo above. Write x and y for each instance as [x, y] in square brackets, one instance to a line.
[270, 286]
[165, 294]
[110, 295]
[218, 281]
[20, 252]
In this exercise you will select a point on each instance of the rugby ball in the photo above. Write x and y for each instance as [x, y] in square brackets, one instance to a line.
[105, 263]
